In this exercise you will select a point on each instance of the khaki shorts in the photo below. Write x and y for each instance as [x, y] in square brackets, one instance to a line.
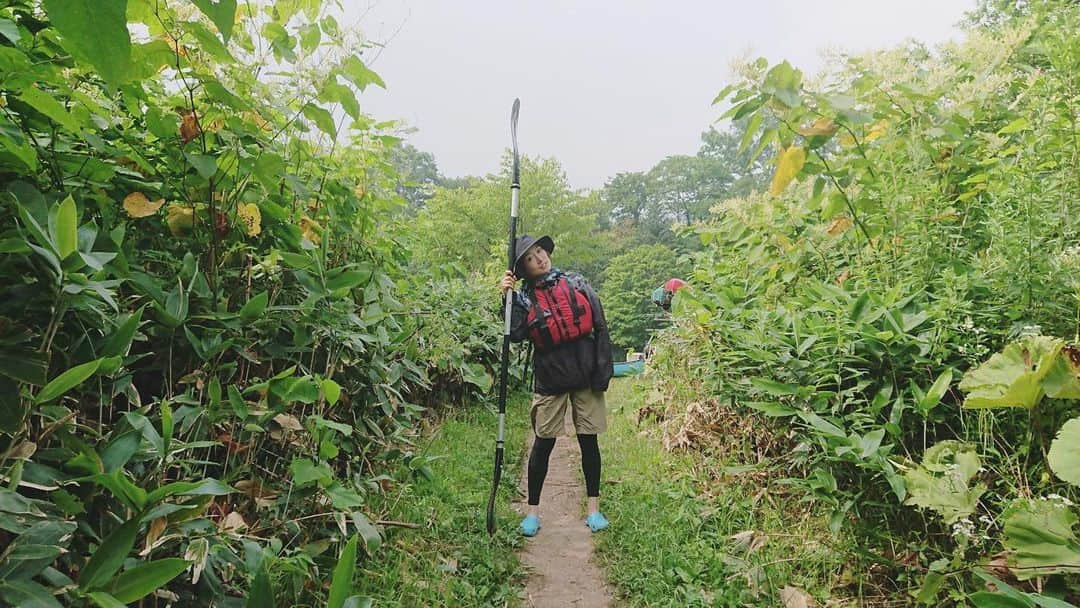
[587, 410]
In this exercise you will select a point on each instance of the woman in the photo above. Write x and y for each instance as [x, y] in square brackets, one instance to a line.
[572, 366]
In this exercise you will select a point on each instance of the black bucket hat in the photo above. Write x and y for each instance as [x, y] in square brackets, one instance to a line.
[524, 242]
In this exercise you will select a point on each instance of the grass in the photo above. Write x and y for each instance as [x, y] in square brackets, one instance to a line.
[450, 560]
[674, 517]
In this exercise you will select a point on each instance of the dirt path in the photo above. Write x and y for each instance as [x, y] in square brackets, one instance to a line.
[559, 558]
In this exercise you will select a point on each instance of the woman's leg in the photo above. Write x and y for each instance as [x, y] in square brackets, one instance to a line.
[538, 468]
[590, 466]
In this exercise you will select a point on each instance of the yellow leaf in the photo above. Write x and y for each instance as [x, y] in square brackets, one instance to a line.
[257, 119]
[252, 218]
[311, 230]
[288, 422]
[180, 218]
[157, 526]
[137, 205]
[876, 130]
[189, 127]
[233, 522]
[840, 280]
[821, 126]
[839, 225]
[788, 164]
[793, 597]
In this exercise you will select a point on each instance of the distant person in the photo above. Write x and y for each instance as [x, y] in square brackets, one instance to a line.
[663, 295]
[561, 314]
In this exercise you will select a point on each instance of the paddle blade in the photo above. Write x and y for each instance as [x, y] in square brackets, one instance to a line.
[513, 134]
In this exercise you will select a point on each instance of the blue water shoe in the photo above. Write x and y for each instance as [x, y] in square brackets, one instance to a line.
[531, 525]
[596, 521]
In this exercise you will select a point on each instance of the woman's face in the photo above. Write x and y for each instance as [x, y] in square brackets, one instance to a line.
[536, 262]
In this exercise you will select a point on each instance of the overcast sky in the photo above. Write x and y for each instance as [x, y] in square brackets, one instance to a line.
[605, 85]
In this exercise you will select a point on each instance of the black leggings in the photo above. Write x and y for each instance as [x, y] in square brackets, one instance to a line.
[538, 465]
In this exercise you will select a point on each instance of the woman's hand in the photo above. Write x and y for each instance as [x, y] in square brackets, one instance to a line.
[507, 282]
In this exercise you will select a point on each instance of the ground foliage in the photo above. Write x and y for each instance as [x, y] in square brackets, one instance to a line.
[211, 349]
[920, 218]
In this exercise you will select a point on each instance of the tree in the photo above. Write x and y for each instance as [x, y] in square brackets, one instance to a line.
[626, 197]
[682, 188]
[747, 174]
[418, 174]
[468, 226]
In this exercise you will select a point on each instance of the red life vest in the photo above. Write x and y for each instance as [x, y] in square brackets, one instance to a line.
[559, 314]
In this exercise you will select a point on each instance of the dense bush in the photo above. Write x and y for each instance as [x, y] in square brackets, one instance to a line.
[933, 222]
[210, 348]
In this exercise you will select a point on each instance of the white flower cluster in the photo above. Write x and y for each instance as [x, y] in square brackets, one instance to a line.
[965, 530]
[1061, 500]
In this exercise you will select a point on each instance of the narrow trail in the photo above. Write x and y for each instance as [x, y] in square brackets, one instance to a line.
[560, 558]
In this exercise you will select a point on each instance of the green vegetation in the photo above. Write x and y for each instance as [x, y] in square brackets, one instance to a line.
[242, 323]
[450, 560]
[210, 354]
[920, 217]
[690, 530]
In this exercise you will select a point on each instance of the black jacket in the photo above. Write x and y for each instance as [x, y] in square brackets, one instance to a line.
[583, 363]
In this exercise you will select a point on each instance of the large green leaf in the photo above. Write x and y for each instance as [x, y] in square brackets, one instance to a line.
[371, 535]
[1064, 455]
[204, 164]
[221, 12]
[335, 92]
[109, 556]
[261, 594]
[104, 600]
[47, 104]
[145, 578]
[783, 82]
[360, 75]
[773, 387]
[206, 487]
[27, 594]
[15, 142]
[1063, 381]
[255, 307]
[66, 233]
[342, 582]
[1013, 377]
[119, 450]
[67, 380]
[305, 471]
[12, 411]
[120, 341]
[322, 119]
[986, 599]
[332, 391]
[936, 391]
[35, 549]
[476, 375]
[1038, 533]
[95, 31]
[344, 498]
[122, 488]
[347, 279]
[940, 483]
[25, 366]
[9, 30]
